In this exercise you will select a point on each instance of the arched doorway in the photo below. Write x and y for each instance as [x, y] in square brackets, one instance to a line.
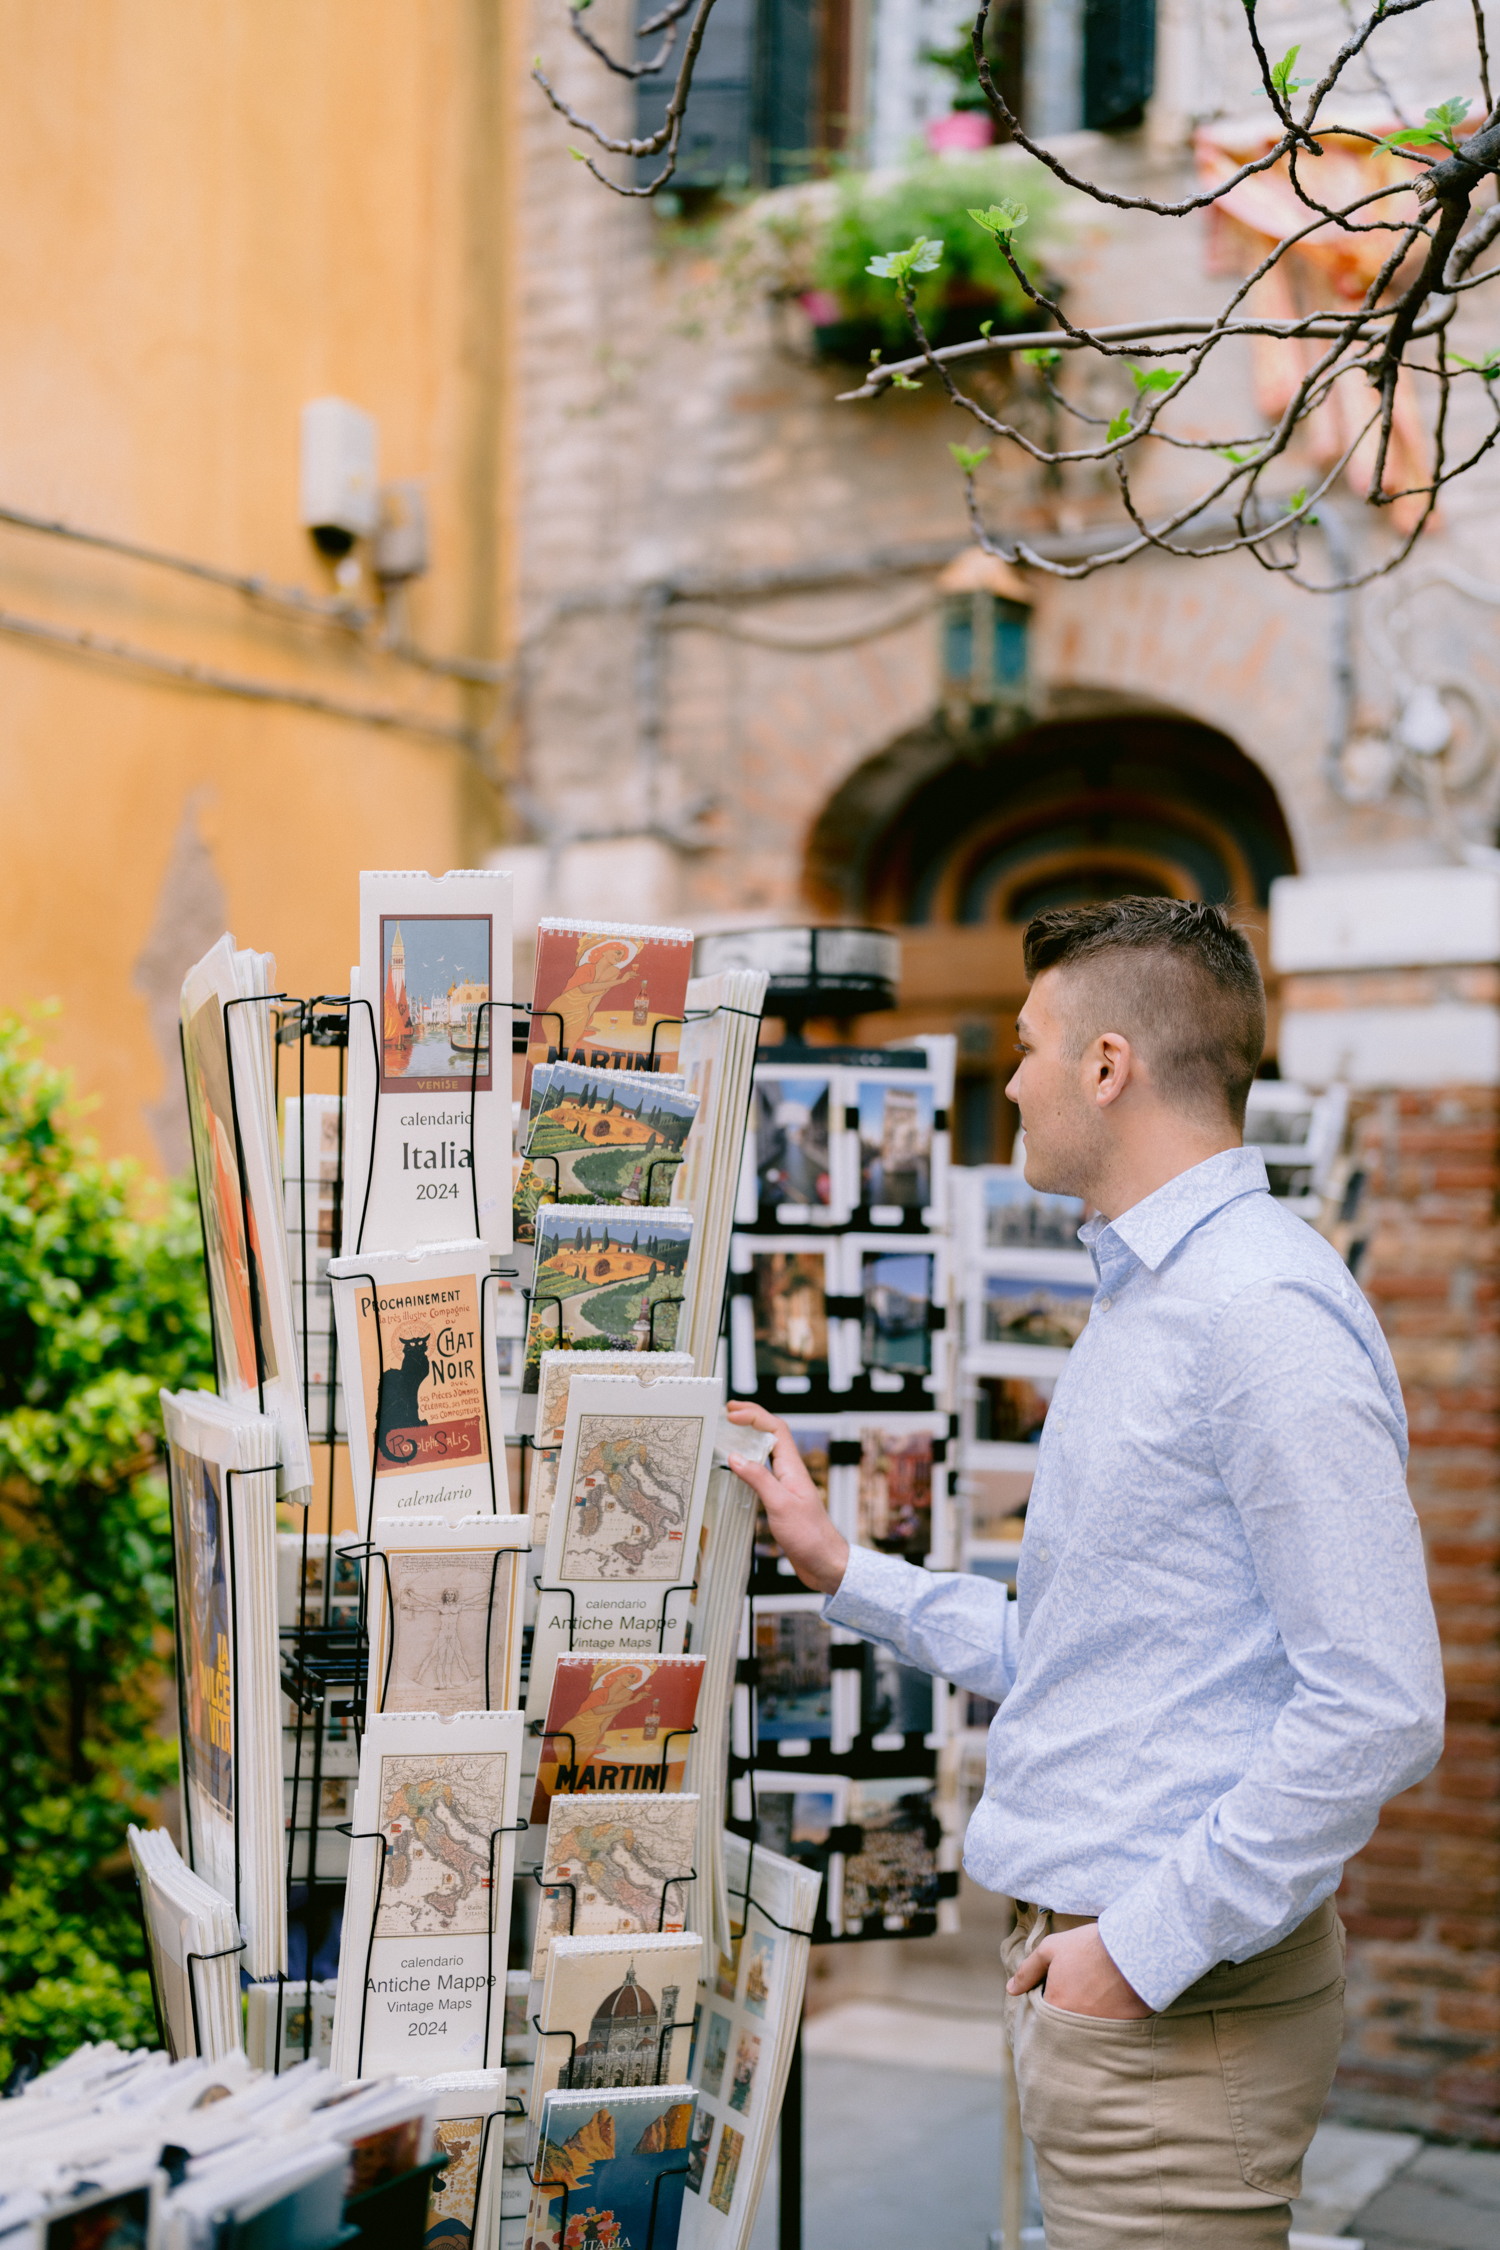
[960, 842]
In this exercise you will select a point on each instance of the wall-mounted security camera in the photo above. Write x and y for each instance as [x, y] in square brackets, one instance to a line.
[340, 483]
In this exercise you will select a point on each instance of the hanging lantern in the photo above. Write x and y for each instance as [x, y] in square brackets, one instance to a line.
[986, 623]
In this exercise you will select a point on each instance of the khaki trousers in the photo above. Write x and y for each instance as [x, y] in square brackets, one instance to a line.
[1184, 2130]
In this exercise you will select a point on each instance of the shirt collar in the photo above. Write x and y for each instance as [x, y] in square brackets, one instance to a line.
[1152, 1228]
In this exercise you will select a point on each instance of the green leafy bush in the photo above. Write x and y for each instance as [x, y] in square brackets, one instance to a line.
[101, 1302]
[875, 214]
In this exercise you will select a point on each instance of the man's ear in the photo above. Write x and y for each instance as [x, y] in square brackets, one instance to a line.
[1114, 1065]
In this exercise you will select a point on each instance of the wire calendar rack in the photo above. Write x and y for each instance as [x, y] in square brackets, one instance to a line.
[325, 1653]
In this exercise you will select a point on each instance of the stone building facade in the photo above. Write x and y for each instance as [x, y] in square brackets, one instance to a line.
[736, 702]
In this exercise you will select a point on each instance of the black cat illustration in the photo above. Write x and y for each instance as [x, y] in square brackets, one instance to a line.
[399, 1408]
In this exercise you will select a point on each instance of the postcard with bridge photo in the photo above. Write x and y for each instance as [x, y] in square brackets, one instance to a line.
[1027, 1307]
[606, 1280]
[602, 1137]
[1015, 1216]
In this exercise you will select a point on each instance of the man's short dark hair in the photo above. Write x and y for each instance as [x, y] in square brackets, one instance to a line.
[1175, 978]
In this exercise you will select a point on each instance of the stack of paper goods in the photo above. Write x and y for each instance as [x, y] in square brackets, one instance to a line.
[427, 1910]
[421, 1384]
[221, 1460]
[600, 1136]
[545, 1413]
[614, 2011]
[718, 1059]
[612, 2162]
[716, 1621]
[608, 1277]
[311, 1178]
[194, 1941]
[469, 2129]
[228, 1057]
[622, 1553]
[749, 2013]
[609, 994]
[427, 1152]
[290, 2021]
[85, 2142]
[445, 1613]
[616, 1866]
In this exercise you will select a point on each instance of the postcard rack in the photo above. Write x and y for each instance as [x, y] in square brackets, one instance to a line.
[325, 1648]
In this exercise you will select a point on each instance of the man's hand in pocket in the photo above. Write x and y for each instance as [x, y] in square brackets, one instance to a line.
[1080, 1976]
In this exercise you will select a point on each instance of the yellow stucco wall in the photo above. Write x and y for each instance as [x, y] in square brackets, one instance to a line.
[210, 213]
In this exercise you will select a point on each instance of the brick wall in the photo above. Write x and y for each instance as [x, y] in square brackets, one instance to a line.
[1422, 1901]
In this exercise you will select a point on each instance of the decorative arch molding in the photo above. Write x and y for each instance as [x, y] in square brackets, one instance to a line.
[1104, 794]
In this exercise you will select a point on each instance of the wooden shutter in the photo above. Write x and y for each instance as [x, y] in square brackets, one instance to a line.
[716, 145]
[1119, 61]
[789, 129]
[761, 111]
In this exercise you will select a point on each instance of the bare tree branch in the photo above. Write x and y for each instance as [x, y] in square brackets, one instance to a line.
[665, 20]
[1395, 431]
[667, 134]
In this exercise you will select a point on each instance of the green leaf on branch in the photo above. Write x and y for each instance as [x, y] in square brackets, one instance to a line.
[1042, 359]
[904, 383]
[1281, 75]
[969, 457]
[1488, 367]
[1441, 129]
[1156, 378]
[900, 265]
[1001, 219]
[1120, 425]
[984, 328]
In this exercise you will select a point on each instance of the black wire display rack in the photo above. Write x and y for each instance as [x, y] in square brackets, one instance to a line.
[325, 1652]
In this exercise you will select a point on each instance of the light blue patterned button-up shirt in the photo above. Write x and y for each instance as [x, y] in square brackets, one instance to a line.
[1223, 1657]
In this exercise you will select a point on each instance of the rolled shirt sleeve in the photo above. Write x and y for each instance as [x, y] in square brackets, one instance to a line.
[1308, 1440]
[961, 1626]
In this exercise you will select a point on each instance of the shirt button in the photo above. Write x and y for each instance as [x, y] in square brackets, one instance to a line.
[1102, 1304]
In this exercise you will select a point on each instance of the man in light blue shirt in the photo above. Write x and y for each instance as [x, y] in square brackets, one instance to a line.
[1222, 1659]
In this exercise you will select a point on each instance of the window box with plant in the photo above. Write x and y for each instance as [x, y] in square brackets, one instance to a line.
[813, 247]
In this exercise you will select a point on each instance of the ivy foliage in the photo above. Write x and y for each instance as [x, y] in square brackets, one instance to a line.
[101, 1303]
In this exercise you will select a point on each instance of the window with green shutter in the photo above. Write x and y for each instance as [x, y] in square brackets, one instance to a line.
[1119, 62]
